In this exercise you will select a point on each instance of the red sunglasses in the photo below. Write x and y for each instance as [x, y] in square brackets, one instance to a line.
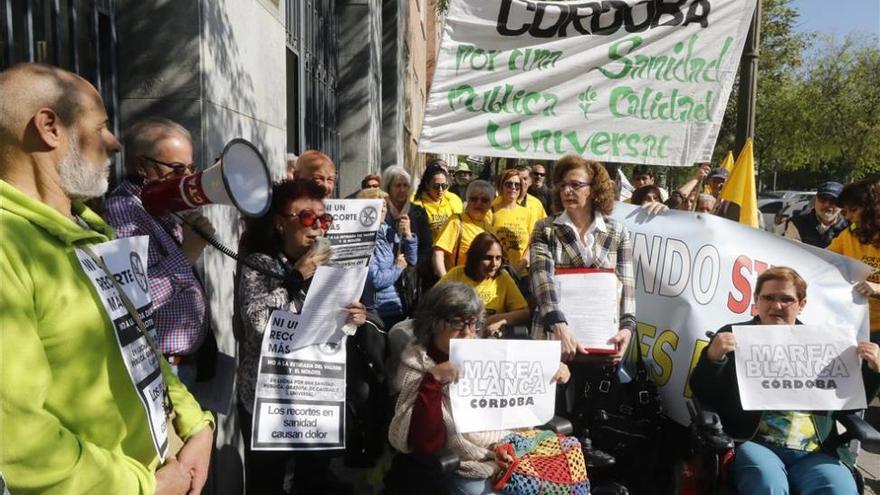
[308, 218]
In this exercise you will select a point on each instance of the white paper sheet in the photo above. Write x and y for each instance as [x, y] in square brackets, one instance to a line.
[323, 312]
[589, 301]
[503, 384]
[798, 367]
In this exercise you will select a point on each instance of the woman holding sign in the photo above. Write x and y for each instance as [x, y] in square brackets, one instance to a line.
[860, 202]
[283, 251]
[582, 236]
[423, 421]
[779, 449]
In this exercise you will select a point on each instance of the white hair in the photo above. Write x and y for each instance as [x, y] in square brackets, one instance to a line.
[79, 178]
[392, 173]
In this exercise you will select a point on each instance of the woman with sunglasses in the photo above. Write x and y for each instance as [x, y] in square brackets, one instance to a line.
[860, 202]
[282, 254]
[422, 422]
[451, 247]
[504, 303]
[432, 196]
[512, 222]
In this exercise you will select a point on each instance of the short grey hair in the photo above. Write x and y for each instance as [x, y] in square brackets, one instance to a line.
[444, 301]
[392, 173]
[482, 186]
[144, 136]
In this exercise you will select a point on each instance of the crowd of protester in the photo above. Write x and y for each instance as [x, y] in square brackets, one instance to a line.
[480, 259]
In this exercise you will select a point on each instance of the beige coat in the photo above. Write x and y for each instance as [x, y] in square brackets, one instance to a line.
[477, 460]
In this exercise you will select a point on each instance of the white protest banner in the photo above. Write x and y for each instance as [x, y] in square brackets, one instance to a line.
[353, 232]
[798, 368]
[126, 259]
[696, 273]
[299, 401]
[635, 81]
[502, 384]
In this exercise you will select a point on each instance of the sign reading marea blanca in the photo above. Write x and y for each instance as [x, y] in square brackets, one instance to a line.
[798, 368]
[635, 81]
[502, 384]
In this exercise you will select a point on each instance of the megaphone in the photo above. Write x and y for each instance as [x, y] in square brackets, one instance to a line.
[239, 178]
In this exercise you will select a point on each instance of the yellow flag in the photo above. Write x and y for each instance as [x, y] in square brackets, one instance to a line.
[740, 187]
[728, 162]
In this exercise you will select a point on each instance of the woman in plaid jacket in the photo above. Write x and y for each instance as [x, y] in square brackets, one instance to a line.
[582, 236]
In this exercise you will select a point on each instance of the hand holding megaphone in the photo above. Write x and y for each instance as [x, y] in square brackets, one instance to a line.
[197, 229]
[239, 178]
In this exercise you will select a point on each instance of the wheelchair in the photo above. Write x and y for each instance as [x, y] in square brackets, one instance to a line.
[426, 474]
[707, 471]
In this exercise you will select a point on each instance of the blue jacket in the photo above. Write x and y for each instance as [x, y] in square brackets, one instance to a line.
[379, 291]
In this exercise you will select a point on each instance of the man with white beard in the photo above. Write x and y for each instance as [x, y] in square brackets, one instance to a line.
[76, 415]
[819, 226]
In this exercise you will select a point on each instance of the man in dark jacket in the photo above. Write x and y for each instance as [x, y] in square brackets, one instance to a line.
[819, 226]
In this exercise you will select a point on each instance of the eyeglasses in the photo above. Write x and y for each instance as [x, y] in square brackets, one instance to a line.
[575, 185]
[783, 300]
[440, 186]
[513, 185]
[177, 168]
[308, 218]
[460, 324]
[539, 174]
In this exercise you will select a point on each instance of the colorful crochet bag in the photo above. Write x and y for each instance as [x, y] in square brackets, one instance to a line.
[544, 463]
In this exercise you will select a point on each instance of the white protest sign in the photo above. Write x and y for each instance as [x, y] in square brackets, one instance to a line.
[299, 401]
[502, 384]
[589, 300]
[353, 232]
[126, 259]
[798, 368]
[630, 81]
[696, 273]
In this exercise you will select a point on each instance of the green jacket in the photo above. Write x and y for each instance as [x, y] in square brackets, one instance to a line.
[70, 418]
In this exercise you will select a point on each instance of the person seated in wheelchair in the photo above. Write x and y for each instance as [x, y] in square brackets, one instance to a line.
[776, 450]
[422, 422]
[504, 304]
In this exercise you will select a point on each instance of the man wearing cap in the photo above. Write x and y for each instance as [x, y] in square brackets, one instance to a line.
[461, 179]
[819, 226]
[723, 208]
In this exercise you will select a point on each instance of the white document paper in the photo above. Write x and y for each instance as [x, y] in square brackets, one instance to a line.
[503, 384]
[589, 301]
[323, 312]
[299, 400]
[798, 367]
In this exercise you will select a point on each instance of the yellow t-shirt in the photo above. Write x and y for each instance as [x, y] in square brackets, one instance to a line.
[499, 294]
[449, 237]
[848, 244]
[533, 204]
[514, 229]
[440, 211]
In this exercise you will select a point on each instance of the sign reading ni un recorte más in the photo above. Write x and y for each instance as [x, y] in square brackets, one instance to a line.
[634, 81]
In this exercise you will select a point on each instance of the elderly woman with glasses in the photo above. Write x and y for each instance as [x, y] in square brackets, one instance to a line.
[282, 253]
[512, 222]
[451, 246]
[582, 236]
[776, 451]
[422, 421]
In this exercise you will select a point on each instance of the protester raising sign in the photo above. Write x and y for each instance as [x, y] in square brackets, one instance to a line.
[502, 384]
[798, 367]
[696, 273]
[627, 81]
